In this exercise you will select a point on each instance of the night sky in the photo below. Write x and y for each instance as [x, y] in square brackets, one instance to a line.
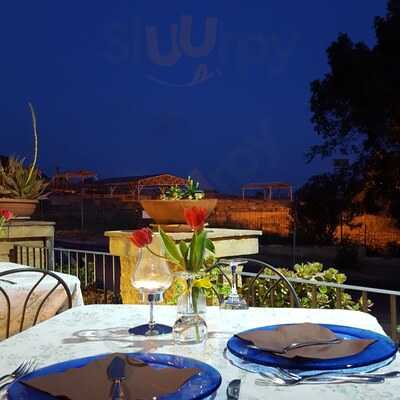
[231, 103]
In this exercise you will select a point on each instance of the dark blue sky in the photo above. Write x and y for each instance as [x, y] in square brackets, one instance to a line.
[111, 96]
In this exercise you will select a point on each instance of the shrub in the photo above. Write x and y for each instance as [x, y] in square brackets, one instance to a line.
[325, 296]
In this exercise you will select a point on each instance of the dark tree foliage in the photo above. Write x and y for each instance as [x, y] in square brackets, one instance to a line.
[356, 110]
[322, 204]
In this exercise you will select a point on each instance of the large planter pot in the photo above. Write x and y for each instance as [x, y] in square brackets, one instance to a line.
[21, 208]
[170, 212]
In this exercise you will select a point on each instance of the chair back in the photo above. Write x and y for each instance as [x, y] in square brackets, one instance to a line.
[258, 269]
[6, 280]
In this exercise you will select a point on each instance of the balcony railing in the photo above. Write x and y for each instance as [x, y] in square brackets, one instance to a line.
[99, 273]
[389, 312]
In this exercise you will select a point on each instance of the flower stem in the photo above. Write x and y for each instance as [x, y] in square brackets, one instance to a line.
[35, 135]
[160, 256]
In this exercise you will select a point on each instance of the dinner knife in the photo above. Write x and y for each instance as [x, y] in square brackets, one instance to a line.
[116, 373]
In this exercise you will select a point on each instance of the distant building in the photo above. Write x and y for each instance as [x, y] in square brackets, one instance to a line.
[71, 181]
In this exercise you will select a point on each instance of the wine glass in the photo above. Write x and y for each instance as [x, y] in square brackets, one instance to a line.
[152, 277]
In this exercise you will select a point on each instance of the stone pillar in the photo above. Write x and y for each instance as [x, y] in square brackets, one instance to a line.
[27, 233]
[228, 243]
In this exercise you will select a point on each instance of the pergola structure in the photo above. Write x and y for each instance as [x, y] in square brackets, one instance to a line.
[136, 184]
[268, 189]
[70, 180]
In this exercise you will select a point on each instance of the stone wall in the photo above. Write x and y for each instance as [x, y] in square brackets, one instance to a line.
[98, 214]
[272, 217]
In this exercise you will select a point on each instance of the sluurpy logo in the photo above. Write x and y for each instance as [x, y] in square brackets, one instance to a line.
[183, 46]
[148, 44]
[189, 52]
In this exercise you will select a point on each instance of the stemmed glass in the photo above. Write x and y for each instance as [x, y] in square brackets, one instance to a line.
[152, 277]
[234, 301]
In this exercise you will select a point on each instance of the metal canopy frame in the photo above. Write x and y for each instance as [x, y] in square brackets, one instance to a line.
[268, 188]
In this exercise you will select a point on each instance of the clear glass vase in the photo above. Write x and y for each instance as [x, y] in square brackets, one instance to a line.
[182, 303]
[190, 327]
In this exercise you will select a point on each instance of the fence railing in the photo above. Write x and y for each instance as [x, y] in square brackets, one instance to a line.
[99, 273]
[364, 293]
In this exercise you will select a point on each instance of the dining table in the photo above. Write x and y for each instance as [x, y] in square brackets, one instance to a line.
[100, 329]
[17, 286]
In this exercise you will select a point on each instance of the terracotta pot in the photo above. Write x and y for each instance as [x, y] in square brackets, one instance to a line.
[168, 212]
[21, 208]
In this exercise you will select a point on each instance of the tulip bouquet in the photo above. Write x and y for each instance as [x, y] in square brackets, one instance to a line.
[5, 216]
[189, 257]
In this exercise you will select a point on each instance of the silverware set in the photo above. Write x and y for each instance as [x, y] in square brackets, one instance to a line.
[23, 369]
[282, 377]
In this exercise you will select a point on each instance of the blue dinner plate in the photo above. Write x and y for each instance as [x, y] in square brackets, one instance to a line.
[200, 386]
[382, 349]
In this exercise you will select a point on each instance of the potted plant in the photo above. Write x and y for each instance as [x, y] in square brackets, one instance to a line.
[169, 209]
[21, 186]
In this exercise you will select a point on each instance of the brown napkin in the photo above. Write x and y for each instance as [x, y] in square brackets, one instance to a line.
[276, 340]
[91, 382]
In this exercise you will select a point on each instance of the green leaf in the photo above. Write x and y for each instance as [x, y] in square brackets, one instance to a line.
[197, 250]
[210, 246]
[171, 248]
[184, 248]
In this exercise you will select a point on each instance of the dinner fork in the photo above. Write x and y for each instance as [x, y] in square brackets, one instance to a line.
[299, 345]
[275, 380]
[317, 381]
[24, 368]
[386, 375]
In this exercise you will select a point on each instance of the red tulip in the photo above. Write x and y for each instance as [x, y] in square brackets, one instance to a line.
[142, 237]
[195, 217]
[6, 214]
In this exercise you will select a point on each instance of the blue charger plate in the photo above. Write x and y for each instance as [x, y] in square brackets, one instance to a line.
[382, 349]
[200, 386]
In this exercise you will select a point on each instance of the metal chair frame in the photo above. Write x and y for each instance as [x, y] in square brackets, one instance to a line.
[44, 273]
[282, 278]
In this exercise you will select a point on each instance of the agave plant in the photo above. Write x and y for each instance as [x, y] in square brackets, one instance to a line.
[173, 193]
[191, 191]
[20, 182]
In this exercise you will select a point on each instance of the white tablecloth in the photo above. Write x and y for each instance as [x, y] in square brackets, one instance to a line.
[98, 329]
[18, 292]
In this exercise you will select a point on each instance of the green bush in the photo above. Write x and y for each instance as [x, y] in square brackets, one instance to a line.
[325, 296]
